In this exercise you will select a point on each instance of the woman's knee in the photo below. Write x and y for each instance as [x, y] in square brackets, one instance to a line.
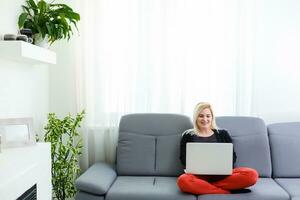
[180, 179]
[183, 179]
[253, 176]
[250, 175]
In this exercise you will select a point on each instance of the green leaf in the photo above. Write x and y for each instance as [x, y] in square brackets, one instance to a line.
[22, 19]
[26, 9]
[64, 6]
[42, 6]
[49, 28]
[64, 22]
[73, 15]
[33, 6]
[32, 3]
[29, 24]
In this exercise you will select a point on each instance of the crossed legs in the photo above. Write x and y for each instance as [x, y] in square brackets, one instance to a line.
[240, 178]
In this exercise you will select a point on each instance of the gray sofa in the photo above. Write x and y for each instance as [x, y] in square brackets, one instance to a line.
[148, 164]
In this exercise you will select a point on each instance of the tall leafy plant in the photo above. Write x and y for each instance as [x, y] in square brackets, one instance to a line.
[66, 146]
[48, 19]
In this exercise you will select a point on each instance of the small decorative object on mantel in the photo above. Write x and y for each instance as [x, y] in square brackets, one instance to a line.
[16, 132]
[48, 21]
[22, 37]
[9, 36]
[12, 37]
[28, 33]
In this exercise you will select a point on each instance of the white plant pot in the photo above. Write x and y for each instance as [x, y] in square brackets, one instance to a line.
[41, 42]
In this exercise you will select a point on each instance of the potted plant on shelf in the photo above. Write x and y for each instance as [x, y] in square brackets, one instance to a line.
[66, 145]
[48, 21]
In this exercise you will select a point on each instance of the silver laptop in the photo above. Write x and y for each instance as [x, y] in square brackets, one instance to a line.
[209, 158]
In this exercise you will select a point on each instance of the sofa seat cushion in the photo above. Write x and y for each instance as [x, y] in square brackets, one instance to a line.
[146, 188]
[291, 185]
[87, 196]
[264, 189]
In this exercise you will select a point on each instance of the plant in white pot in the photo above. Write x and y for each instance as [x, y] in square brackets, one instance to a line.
[48, 21]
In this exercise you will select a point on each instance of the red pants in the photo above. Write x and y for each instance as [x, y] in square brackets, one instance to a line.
[240, 178]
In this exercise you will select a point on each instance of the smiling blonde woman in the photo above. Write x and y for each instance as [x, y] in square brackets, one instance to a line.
[205, 130]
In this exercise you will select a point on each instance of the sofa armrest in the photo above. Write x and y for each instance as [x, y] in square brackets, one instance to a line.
[97, 179]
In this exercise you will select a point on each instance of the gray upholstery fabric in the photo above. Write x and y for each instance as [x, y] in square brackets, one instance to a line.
[97, 179]
[146, 188]
[168, 150]
[250, 140]
[291, 185]
[155, 124]
[88, 196]
[264, 189]
[135, 154]
[149, 144]
[285, 149]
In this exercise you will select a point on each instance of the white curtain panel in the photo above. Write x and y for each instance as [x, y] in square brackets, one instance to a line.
[162, 56]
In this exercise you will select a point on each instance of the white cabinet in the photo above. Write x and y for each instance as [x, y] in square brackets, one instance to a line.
[22, 167]
[26, 53]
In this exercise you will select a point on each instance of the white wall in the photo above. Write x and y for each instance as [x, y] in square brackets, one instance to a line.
[24, 92]
[9, 16]
[62, 80]
[24, 89]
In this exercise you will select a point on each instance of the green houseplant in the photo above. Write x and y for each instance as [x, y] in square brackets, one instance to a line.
[66, 146]
[48, 20]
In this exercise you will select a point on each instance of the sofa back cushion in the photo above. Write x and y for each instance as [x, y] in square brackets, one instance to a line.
[149, 144]
[250, 140]
[285, 149]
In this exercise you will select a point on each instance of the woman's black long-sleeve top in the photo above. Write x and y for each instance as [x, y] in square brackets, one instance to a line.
[222, 136]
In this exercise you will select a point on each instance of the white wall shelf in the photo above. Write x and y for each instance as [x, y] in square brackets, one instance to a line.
[28, 53]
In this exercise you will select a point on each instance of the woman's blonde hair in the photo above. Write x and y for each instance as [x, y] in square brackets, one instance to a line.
[198, 108]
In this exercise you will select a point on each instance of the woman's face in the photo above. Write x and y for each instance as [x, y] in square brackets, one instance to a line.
[204, 119]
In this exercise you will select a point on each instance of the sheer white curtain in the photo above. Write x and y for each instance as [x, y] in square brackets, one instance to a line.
[160, 56]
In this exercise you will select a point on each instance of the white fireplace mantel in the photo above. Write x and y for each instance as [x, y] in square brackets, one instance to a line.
[22, 167]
